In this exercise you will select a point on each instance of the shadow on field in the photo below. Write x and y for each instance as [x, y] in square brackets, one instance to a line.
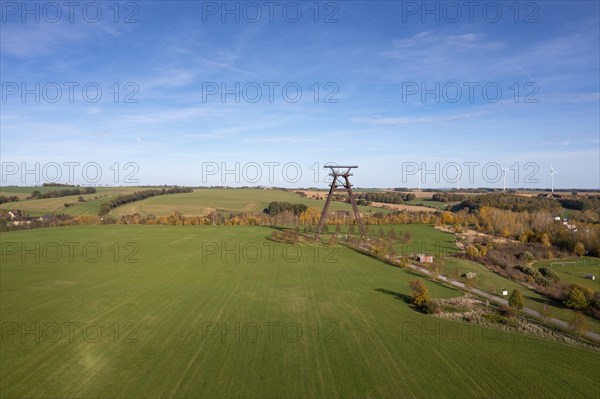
[397, 295]
[548, 301]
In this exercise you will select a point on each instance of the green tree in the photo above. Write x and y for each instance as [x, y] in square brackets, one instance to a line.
[576, 298]
[516, 299]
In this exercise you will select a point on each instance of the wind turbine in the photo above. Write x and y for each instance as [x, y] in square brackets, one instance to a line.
[504, 173]
[552, 173]
[419, 183]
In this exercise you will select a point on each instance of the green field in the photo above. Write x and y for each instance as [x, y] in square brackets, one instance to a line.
[194, 321]
[203, 201]
[44, 206]
[425, 239]
[429, 202]
[575, 270]
[24, 191]
[198, 203]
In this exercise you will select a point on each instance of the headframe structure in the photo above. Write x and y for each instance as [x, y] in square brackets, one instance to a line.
[339, 173]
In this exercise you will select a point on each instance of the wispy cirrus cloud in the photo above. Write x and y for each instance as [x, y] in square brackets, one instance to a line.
[425, 53]
[31, 40]
[409, 120]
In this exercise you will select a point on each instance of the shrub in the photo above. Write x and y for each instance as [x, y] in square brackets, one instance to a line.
[530, 271]
[526, 256]
[549, 273]
[516, 299]
[507, 311]
[432, 307]
[497, 318]
[579, 249]
[454, 308]
[543, 281]
[577, 298]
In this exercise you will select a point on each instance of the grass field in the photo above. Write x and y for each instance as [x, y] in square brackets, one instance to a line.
[425, 239]
[24, 191]
[575, 270]
[429, 202]
[193, 321]
[198, 203]
[38, 207]
[203, 201]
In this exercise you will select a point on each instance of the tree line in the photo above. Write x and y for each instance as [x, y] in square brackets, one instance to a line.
[581, 203]
[531, 227]
[36, 194]
[123, 199]
[385, 197]
[10, 198]
[276, 208]
[511, 202]
[448, 197]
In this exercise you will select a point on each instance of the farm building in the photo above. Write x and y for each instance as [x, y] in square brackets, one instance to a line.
[425, 258]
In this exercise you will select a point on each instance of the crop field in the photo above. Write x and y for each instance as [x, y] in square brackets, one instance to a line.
[214, 311]
[576, 270]
[199, 203]
[38, 207]
[203, 201]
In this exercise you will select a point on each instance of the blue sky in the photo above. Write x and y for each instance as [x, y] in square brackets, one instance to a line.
[398, 86]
